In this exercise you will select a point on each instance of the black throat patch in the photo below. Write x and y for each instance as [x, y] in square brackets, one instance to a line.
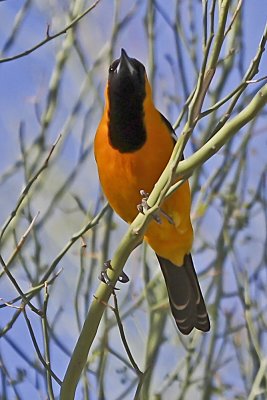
[127, 132]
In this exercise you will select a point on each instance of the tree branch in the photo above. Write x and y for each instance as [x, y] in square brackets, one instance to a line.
[50, 37]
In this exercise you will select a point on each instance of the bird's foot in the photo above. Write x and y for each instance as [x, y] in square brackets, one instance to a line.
[165, 215]
[143, 207]
[103, 277]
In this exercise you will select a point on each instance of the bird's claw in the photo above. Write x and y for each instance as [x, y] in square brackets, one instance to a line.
[143, 207]
[123, 278]
[103, 277]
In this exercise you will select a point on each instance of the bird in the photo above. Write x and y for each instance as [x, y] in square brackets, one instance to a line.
[132, 146]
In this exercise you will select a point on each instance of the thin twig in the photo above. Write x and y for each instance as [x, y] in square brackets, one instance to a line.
[50, 37]
[27, 188]
[37, 349]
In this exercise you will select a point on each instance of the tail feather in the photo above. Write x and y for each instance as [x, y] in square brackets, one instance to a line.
[186, 300]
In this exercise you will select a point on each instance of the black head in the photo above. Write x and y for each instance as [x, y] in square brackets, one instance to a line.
[126, 94]
[126, 78]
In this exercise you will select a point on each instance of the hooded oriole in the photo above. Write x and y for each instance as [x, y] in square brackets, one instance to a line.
[133, 144]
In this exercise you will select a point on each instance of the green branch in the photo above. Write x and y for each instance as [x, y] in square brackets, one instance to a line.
[224, 134]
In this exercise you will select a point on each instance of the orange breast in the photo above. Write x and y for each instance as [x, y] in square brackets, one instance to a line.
[123, 175]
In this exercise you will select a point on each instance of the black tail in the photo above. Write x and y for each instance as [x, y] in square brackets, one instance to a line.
[186, 300]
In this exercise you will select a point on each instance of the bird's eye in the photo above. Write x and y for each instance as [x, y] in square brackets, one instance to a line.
[111, 69]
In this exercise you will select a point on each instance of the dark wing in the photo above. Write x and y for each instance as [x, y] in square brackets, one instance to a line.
[171, 130]
[169, 126]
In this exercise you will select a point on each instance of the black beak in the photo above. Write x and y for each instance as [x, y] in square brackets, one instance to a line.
[125, 64]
